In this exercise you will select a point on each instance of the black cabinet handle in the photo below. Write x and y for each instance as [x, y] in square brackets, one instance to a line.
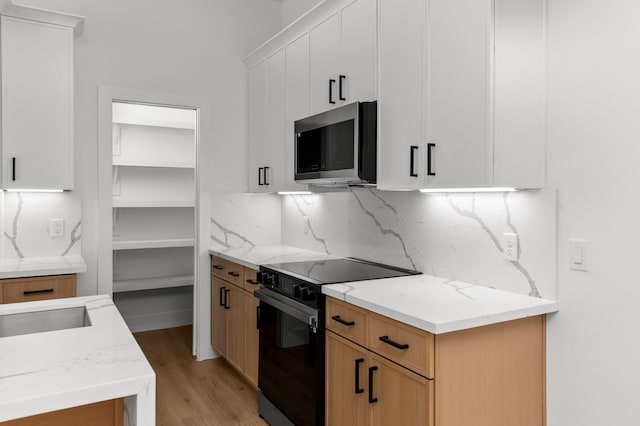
[358, 362]
[430, 147]
[221, 298]
[388, 341]
[341, 78]
[13, 168]
[412, 171]
[341, 321]
[260, 169]
[252, 282]
[266, 182]
[218, 267]
[331, 101]
[372, 399]
[258, 317]
[233, 274]
[226, 298]
[32, 292]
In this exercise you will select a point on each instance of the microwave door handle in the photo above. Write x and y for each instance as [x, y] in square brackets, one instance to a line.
[331, 82]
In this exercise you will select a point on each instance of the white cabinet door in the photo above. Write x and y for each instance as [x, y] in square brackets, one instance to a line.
[37, 105]
[297, 101]
[458, 93]
[274, 140]
[324, 60]
[257, 124]
[401, 94]
[358, 52]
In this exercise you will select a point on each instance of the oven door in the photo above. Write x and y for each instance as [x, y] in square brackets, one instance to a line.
[291, 357]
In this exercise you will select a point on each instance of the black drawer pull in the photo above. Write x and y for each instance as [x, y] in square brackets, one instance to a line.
[266, 182]
[358, 388]
[260, 170]
[388, 341]
[31, 292]
[233, 274]
[372, 399]
[430, 147]
[331, 101]
[342, 78]
[221, 298]
[412, 160]
[13, 168]
[341, 321]
[218, 267]
[226, 298]
[252, 282]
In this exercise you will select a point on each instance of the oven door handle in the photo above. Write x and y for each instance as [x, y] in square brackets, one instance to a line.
[289, 306]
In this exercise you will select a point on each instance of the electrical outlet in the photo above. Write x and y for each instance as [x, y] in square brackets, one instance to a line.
[56, 228]
[510, 246]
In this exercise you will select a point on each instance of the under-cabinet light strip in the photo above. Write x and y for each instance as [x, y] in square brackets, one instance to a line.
[34, 190]
[437, 190]
[294, 193]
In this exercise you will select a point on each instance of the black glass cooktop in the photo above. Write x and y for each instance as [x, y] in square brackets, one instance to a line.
[333, 271]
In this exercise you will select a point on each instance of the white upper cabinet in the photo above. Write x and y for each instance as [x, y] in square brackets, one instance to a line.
[461, 100]
[266, 123]
[37, 99]
[343, 56]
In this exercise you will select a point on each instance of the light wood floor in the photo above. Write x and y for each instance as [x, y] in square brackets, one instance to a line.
[195, 393]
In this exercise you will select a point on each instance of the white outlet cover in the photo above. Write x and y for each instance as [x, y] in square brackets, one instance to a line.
[56, 228]
[510, 246]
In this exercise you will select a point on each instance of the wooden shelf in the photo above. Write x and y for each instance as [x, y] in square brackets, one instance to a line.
[157, 116]
[165, 164]
[147, 244]
[160, 203]
[122, 286]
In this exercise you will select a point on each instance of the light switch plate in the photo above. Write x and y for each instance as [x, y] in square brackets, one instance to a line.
[578, 254]
[56, 228]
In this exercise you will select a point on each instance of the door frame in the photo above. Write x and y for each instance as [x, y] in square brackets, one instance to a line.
[201, 348]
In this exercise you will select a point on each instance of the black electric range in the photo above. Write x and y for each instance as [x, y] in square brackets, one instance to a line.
[292, 331]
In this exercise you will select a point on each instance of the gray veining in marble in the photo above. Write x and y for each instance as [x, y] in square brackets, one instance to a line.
[73, 238]
[310, 227]
[227, 233]
[13, 237]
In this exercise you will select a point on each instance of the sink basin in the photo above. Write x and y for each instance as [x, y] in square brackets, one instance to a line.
[40, 321]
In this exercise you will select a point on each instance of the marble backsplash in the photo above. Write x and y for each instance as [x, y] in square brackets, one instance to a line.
[25, 216]
[454, 236]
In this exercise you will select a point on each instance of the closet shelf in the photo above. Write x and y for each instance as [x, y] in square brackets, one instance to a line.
[151, 163]
[122, 286]
[154, 203]
[147, 244]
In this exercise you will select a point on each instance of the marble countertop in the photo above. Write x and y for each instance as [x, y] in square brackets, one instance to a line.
[49, 371]
[253, 257]
[438, 305]
[40, 266]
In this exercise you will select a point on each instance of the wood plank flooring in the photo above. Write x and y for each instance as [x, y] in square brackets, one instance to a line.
[195, 393]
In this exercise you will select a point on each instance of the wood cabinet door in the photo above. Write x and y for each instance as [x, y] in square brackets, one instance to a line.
[459, 93]
[346, 385]
[401, 79]
[358, 51]
[324, 59]
[257, 124]
[37, 105]
[235, 326]
[251, 336]
[403, 397]
[218, 316]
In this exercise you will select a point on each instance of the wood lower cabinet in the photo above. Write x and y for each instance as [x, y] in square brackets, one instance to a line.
[105, 413]
[484, 376]
[234, 316]
[14, 290]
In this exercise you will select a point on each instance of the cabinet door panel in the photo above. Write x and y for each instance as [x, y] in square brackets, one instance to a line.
[400, 94]
[257, 123]
[404, 398]
[218, 316]
[251, 336]
[235, 327]
[459, 39]
[37, 105]
[358, 51]
[325, 55]
[275, 116]
[344, 405]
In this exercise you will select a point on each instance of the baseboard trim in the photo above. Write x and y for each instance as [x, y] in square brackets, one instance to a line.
[159, 320]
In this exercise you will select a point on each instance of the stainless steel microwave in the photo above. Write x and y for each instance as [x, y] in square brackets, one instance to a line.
[337, 146]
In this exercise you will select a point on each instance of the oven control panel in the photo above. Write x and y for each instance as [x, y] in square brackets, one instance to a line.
[304, 292]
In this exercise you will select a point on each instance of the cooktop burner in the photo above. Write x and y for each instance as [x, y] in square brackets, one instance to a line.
[331, 271]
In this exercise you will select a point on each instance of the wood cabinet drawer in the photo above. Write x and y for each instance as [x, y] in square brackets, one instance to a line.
[250, 283]
[38, 288]
[219, 267]
[234, 274]
[347, 320]
[402, 343]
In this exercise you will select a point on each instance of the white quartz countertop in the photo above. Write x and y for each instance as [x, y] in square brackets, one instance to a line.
[49, 371]
[253, 257]
[438, 305]
[40, 266]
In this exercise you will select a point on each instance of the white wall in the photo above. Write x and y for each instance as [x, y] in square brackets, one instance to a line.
[293, 9]
[187, 47]
[593, 159]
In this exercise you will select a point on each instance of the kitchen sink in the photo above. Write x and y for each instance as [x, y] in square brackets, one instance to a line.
[41, 321]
